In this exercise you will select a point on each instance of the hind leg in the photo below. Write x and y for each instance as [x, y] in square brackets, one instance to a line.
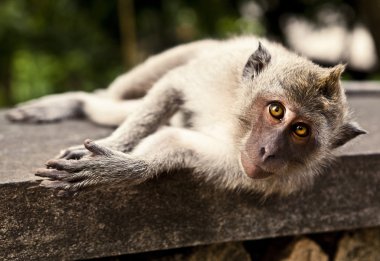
[52, 108]
[101, 110]
[138, 81]
[108, 112]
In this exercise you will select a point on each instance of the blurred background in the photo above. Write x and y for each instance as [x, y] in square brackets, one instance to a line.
[56, 46]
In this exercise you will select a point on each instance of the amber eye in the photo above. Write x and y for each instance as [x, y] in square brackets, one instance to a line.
[301, 130]
[276, 110]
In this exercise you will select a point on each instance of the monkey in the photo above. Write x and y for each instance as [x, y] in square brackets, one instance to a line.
[243, 113]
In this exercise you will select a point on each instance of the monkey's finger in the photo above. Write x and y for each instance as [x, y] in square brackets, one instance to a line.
[51, 173]
[76, 177]
[76, 155]
[67, 165]
[62, 154]
[72, 154]
[55, 184]
[65, 189]
[97, 149]
[85, 184]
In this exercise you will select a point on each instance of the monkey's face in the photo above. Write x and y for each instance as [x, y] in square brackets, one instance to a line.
[293, 127]
[282, 138]
[294, 113]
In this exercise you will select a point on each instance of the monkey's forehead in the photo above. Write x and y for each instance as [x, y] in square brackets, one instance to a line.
[302, 80]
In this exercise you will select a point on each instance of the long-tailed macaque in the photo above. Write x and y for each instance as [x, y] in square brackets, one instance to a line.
[243, 113]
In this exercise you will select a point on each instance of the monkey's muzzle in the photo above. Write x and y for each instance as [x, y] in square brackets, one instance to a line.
[253, 170]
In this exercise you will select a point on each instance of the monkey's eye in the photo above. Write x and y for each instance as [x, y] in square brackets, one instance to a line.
[276, 110]
[301, 130]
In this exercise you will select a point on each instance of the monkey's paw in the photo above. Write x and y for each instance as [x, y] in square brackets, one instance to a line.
[103, 166]
[79, 151]
[73, 153]
[44, 110]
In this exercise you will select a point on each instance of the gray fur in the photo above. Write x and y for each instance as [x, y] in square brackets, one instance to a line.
[218, 90]
[256, 62]
[48, 109]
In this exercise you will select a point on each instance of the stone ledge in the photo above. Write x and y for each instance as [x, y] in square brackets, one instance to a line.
[172, 211]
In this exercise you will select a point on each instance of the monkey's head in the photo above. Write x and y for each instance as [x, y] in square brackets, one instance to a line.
[295, 113]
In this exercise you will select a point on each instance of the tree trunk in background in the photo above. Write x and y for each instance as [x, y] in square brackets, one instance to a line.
[127, 32]
[369, 12]
[5, 79]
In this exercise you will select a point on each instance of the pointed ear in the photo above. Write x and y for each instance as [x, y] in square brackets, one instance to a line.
[330, 87]
[256, 62]
[347, 132]
[336, 72]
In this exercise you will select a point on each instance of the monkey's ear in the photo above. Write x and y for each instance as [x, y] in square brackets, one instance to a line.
[336, 72]
[256, 62]
[347, 132]
[331, 87]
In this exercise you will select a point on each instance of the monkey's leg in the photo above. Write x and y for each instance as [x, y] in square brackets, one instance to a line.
[48, 109]
[51, 108]
[108, 112]
[101, 108]
[136, 83]
[168, 149]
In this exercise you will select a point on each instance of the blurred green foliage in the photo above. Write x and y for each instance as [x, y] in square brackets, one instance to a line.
[55, 46]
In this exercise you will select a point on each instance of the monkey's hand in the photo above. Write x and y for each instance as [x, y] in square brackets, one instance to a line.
[80, 151]
[102, 166]
[73, 153]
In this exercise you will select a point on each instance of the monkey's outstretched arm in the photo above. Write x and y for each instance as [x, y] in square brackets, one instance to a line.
[154, 110]
[168, 149]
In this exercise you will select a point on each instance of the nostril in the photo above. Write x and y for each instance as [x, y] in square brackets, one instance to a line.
[265, 155]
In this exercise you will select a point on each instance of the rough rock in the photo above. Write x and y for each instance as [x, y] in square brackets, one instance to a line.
[221, 252]
[304, 249]
[360, 245]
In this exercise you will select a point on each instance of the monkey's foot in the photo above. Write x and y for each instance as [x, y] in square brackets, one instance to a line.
[44, 110]
[102, 166]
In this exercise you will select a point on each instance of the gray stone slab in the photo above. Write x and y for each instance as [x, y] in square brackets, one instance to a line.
[363, 88]
[173, 210]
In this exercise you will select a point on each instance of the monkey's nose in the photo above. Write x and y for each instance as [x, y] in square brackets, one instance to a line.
[267, 155]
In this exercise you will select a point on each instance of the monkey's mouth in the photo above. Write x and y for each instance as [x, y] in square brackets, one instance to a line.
[253, 170]
[259, 173]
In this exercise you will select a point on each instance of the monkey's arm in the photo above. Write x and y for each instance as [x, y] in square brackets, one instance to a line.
[153, 110]
[168, 149]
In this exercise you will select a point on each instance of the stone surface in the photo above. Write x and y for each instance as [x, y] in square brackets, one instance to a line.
[304, 249]
[173, 210]
[221, 252]
[360, 245]
[362, 88]
[231, 251]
